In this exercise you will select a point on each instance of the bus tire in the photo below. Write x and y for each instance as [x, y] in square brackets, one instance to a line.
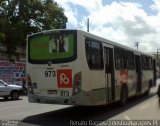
[5, 98]
[150, 84]
[123, 95]
[149, 87]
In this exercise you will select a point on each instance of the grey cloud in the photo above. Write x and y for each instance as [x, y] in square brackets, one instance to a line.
[132, 28]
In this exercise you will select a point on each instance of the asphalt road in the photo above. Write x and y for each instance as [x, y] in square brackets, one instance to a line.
[31, 114]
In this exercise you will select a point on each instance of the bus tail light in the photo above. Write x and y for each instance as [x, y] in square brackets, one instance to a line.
[77, 83]
[29, 82]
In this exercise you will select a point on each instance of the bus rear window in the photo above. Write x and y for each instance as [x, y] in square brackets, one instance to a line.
[57, 47]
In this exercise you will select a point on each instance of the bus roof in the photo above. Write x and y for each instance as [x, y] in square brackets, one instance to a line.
[114, 43]
[87, 34]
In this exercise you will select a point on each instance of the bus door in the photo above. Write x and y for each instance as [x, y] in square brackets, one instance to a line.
[139, 73]
[154, 72]
[109, 74]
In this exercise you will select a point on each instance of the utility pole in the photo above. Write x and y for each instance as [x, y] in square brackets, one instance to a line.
[88, 25]
[157, 53]
[137, 44]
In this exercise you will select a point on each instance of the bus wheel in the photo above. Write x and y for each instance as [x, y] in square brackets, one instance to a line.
[123, 96]
[5, 98]
[149, 87]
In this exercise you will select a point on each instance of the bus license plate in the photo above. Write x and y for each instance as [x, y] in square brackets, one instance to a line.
[64, 93]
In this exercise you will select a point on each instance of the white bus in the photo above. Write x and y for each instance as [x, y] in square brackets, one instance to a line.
[77, 68]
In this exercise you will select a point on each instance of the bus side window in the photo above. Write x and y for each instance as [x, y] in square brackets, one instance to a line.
[120, 62]
[94, 54]
[87, 47]
[130, 60]
[117, 60]
[146, 62]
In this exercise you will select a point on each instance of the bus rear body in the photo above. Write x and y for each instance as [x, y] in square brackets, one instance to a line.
[53, 76]
[77, 68]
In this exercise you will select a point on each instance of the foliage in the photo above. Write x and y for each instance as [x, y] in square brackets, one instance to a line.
[18, 18]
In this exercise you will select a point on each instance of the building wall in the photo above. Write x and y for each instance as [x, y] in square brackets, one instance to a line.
[12, 72]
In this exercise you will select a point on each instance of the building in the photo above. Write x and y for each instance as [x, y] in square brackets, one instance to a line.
[12, 70]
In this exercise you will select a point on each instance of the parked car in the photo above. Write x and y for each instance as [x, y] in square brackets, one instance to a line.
[10, 90]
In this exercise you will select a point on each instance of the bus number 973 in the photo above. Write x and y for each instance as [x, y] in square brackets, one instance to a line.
[64, 93]
[50, 73]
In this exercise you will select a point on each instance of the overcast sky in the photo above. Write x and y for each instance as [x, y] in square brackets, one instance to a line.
[122, 21]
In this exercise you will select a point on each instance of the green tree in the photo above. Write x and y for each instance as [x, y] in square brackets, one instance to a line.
[52, 15]
[18, 18]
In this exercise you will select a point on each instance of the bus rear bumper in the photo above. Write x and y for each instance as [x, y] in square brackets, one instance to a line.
[54, 100]
[82, 98]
